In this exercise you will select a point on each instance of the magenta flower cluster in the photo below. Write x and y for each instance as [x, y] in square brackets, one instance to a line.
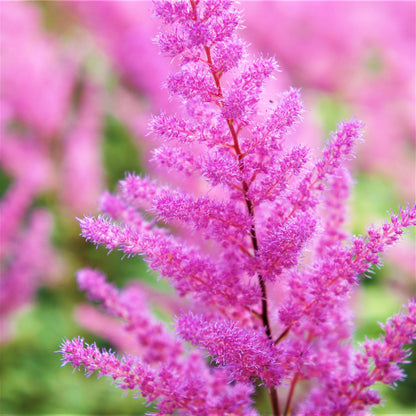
[258, 247]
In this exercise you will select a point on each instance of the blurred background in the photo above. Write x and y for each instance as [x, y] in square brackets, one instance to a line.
[79, 81]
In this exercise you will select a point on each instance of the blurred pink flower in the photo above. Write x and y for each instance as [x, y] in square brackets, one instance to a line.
[36, 77]
[361, 53]
[81, 154]
[30, 261]
[124, 30]
[47, 146]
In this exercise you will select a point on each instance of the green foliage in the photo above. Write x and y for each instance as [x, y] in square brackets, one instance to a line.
[35, 383]
[120, 154]
[374, 196]
[330, 110]
[5, 182]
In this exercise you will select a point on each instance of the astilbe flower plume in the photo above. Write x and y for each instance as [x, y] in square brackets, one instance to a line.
[259, 249]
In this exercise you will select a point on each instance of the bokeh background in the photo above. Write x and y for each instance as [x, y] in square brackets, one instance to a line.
[79, 80]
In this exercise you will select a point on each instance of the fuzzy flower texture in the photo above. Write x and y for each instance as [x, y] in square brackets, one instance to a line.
[257, 248]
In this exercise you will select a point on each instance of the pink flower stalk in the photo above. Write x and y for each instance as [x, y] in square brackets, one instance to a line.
[28, 263]
[130, 305]
[13, 207]
[185, 386]
[246, 353]
[163, 371]
[106, 327]
[376, 362]
[82, 160]
[260, 250]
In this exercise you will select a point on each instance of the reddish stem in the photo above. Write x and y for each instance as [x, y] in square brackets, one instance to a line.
[236, 145]
[288, 407]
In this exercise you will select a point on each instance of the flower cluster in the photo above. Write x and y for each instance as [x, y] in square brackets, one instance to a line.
[257, 248]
